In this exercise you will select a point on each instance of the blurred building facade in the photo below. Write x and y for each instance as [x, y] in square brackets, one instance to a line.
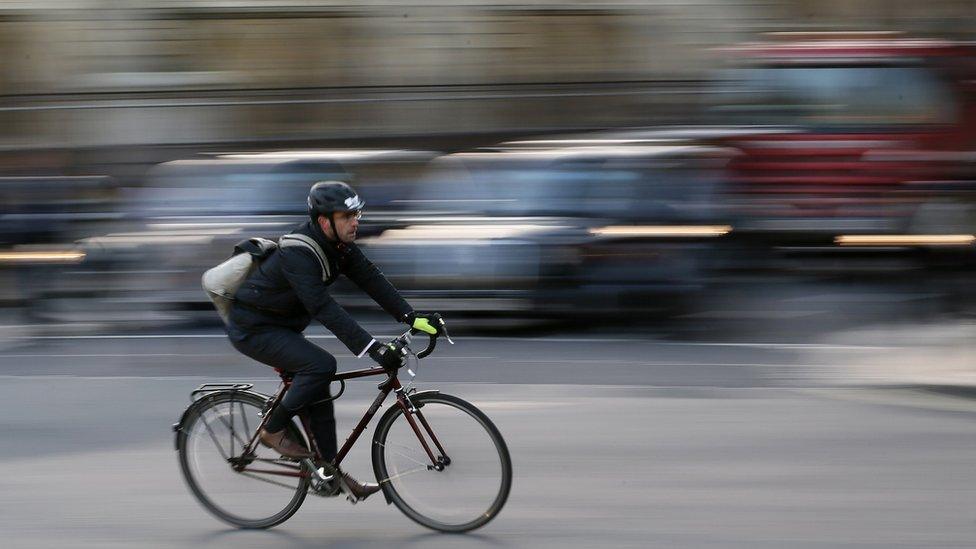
[101, 73]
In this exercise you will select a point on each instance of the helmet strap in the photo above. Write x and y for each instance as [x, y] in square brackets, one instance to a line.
[339, 244]
[335, 233]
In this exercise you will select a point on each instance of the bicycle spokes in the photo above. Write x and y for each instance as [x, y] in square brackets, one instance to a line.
[404, 452]
[453, 492]
[228, 425]
[253, 490]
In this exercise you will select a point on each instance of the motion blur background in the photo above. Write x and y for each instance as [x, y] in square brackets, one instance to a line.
[680, 244]
[545, 160]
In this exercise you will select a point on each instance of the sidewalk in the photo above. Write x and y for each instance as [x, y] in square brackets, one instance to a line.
[936, 355]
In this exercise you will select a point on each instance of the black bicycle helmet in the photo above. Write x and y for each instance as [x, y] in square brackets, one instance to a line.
[326, 197]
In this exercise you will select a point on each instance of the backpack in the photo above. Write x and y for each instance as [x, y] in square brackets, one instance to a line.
[222, 282]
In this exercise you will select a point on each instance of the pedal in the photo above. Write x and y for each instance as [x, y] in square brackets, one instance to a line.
[323, 472]
[322, 480]
[325, 489]
[323, 476]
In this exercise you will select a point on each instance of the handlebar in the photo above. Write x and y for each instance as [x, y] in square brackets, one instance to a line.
[403, 341]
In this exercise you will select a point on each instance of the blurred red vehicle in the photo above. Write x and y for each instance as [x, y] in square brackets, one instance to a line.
[860, 139]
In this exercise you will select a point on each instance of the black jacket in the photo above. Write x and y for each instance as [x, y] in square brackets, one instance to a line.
[287, 290]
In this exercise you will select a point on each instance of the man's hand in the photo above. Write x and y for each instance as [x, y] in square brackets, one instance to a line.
[387, 355]
[428, 323]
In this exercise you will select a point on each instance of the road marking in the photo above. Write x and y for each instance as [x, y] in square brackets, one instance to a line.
[209, 379]
[757, 345]
[799, 346]
[481, 400]
[120, 355]
[129, 378]
[320, 336]
[159, 355]
[497, 359]
[145, 336]
[660, 363]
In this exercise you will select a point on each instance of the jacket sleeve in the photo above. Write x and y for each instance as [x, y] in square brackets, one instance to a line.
[304, 274]
[365, 275]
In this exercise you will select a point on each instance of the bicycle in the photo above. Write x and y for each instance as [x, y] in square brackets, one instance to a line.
[438, 458]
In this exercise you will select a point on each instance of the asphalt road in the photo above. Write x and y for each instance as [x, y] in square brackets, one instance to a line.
[616, 442]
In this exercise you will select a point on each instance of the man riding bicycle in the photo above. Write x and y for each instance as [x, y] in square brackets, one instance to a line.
[290, 288]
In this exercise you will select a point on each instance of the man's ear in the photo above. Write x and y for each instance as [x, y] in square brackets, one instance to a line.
[323, 224]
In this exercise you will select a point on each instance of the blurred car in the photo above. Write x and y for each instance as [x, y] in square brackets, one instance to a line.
[872, 135]
[556, 229]
[40, 218]
[188, 215]
[54, 209]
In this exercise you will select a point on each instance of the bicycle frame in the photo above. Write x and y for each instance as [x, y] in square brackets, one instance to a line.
[390, 385]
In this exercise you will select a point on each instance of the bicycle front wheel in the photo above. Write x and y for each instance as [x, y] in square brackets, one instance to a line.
[444, 464]
[256, 491]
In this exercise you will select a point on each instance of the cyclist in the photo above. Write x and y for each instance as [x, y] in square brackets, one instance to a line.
[290, 288]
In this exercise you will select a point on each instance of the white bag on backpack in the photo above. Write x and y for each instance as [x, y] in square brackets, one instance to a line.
[222, 282]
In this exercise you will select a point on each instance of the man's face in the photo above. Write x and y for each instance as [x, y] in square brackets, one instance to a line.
[346, 225]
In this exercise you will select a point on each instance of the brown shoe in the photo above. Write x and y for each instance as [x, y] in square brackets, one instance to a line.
[357, 491]
[279, 442]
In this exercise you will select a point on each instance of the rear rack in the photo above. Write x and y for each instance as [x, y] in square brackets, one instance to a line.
[214, 387]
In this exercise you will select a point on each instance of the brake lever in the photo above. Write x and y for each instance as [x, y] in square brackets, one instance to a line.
[444, 330]
[405, 338]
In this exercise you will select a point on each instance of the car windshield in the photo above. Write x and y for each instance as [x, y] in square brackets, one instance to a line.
[834, 96]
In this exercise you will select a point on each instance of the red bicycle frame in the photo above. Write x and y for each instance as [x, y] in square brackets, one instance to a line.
[390, 385]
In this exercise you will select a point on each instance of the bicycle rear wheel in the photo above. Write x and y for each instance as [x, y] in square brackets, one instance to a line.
[266, 491]
[467, 482]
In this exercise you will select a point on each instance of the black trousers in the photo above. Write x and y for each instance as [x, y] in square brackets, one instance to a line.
[313, 368]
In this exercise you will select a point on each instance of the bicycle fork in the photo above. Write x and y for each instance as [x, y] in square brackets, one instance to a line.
[438, 463]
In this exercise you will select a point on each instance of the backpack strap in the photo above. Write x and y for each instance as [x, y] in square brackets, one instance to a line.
[295, 239]
[259, 248]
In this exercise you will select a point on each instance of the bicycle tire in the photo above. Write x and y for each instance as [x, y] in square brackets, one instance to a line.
[381, 454]
[194, 414]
